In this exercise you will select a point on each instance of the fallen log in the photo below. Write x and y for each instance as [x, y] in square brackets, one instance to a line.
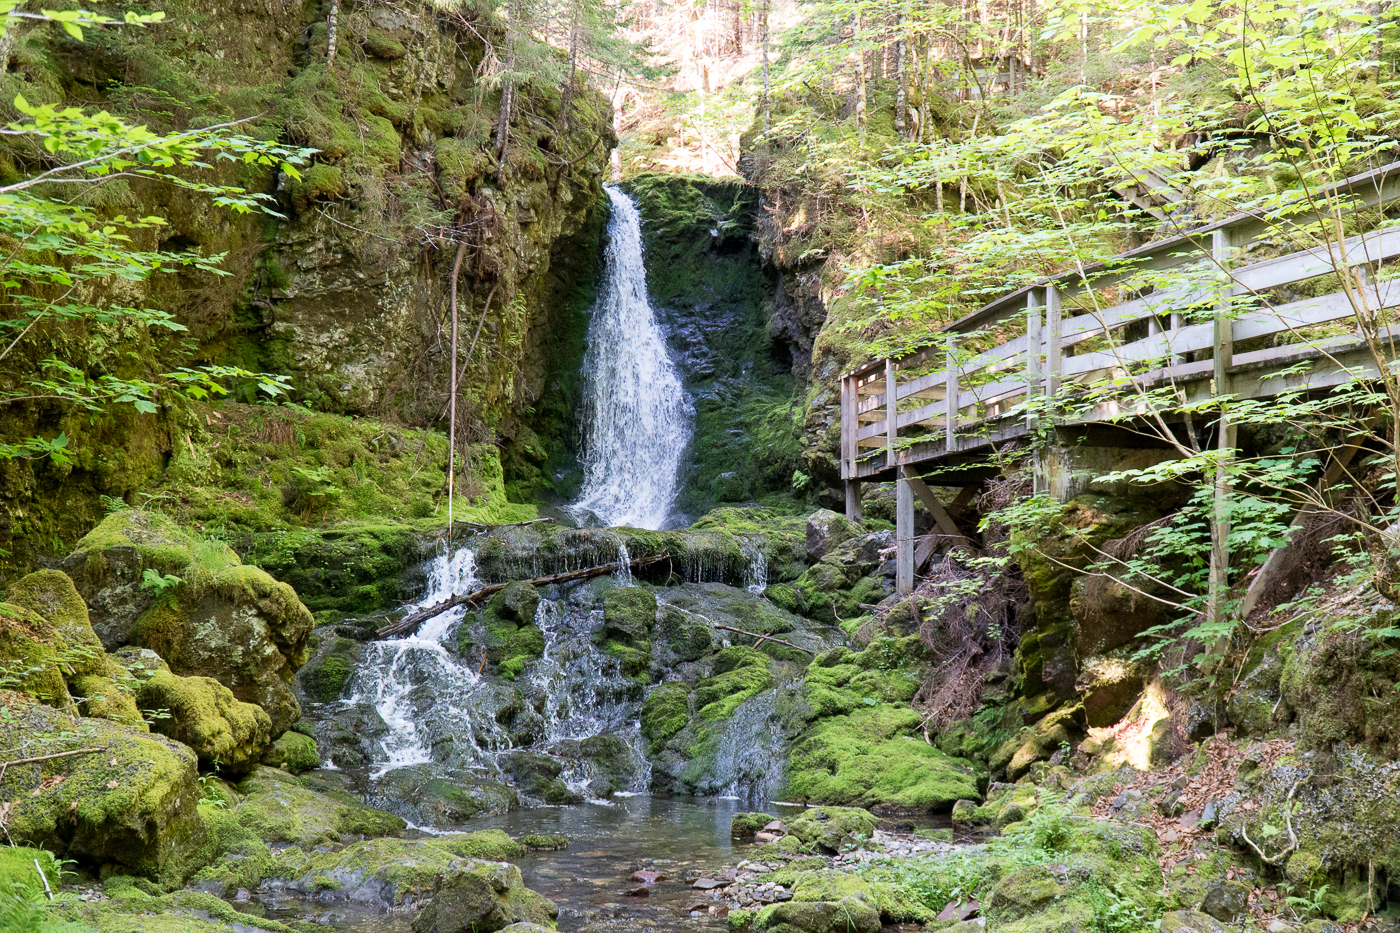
[763, 638]
[411, 621]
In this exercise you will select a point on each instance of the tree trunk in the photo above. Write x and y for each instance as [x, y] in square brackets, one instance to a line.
[507, 92]
[763, 41]
[900, 124]
[860, 76]
[331, 32]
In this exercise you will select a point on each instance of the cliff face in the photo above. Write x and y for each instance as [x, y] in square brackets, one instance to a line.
[348, 295]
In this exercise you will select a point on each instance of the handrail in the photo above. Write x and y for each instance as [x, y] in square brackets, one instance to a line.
[1000, 377]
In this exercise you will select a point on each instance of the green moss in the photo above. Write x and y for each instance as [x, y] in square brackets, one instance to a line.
[745, 825]
[293, 752]
[278, 809]
[29, 662]
[665, 711]
[544, 841]
[53, 597]
[318, 182]
[108, 698]
[325, 677]
[874, 757]
[717, 697]
[203, 714]
[17, 869]
[628, 615]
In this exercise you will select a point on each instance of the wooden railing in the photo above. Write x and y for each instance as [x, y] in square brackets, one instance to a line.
[893, 413]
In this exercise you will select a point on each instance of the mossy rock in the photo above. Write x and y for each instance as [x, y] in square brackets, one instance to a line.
[1345, 687]
[28, 657]
[52, 595]
[223, 619]
[478, 895]
[665, 711]
[876, 757]
[611, 764]
[293, 753]
[518, 602]
[19, 874]
[717, 697]
[538, 776]
[280, 809]
[832, 829]
[747, 825]
[109, 698]
[544, 841]
[848, 916]
[628, 615]
[825, 530]
[328, 673]
[132, 804]
[687, 638]
[203, 714]
[319, 182]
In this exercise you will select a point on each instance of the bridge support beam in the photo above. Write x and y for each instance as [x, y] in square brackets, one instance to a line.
[853, 500]
[1067, 471]
[903, 536]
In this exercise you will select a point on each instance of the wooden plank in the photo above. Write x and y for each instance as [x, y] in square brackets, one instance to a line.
[950, 396]
[941, 518]
[1223, 330]
[1053, 353]
[1032, 354]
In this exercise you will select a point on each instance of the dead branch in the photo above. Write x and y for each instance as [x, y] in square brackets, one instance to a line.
[763, 638]
[1292, 836]
[414, 619]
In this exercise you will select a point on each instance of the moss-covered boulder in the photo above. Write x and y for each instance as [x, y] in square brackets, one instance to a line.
[518, 602]
[628, 615]
[326, 676]
[473, 896]
[1061, 729]
[665, 711]
[52, 595]
[1345, 686]
[426, 796]
[129, 803]
[29, 659]
[538, 776]
[203, 714]
[111, 697]
[506, 634]
[825, 530]
[200, 608]
[293, 753]
[1108, 688]
[279, 808]
[847, 916]
[832, 829]
[747, 825]
[876, 756]
[389, 873]
[683, 635]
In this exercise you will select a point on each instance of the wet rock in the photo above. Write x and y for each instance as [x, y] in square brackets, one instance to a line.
[832, 829]
[293, 753]
[964, 811]
[710, 884]
[745, 825]
[132, 805]
[545, 841]
[473, 896]
[763, 838]
[647, 877]
[429, 795]
[279, 808]
[538, 776]
[642, 891]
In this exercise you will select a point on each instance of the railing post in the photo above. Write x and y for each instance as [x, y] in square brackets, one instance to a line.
[903, 534]
[1218, 582]
[891, 412]
[1033, 386]
[1223, 346]
[950, 389]
[1053, 354]
[850, 446]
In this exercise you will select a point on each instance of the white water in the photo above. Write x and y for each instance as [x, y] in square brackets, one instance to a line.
[396, 670]
[756, 574]
[638, 418]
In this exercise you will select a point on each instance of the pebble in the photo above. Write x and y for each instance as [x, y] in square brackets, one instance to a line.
[647, 877]
[709, 884]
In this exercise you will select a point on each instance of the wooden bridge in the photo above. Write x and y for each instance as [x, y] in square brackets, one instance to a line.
[1169, 314]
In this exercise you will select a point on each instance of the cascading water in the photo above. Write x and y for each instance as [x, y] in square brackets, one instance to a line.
[756, 574]
[637, 415]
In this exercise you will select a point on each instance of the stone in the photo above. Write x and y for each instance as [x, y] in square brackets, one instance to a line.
[67, 626]
[278, 808]
[1226, 901]
[763, 838]
[203, 714]
[825, 530]
[646, 876]
[218, 618]
[132, 805]
[473, 896]
[958, 910]
[1189, 921]
[293, 752]
[832, 829]
[745, 825]
[642, 891]
[775, 826]
[544, 841]
[709, 884]
[538, 776]
[964, 811]
[1109, 687]
[1277, 926]
[848, 916]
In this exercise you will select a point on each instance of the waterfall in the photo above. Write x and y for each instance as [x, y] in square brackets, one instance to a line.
[756, 575]
[401, 677]
[637, 417]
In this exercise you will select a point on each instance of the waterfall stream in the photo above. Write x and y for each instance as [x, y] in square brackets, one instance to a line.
[638, 419]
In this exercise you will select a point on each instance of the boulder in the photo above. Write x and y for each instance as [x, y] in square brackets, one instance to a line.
[747, 825]
[280, 809]
[1109, 615]
[202, 713]
[200, 608]
[825, 530]
[52, 595]
[293, 752]
[428, 796]
[1190, 921]
[473, 896]
[110, 697]
[1109, 687]
[833, 829]
[132, 804]
[538, 776]
[665, 711]
[848, 916]
[628, 615]
[29, 657]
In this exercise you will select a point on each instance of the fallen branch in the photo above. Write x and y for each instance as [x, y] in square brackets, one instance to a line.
[1277, 860]
[763, 638]
[463, 521]
[4, 765]
[411, 621]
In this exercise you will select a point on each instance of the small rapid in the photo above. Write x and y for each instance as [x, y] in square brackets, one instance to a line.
[637, 417]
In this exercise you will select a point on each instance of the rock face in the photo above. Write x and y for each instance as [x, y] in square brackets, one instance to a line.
[825, 530]
[150, 584]
[472, 896]
[130, 804]
[279, 809]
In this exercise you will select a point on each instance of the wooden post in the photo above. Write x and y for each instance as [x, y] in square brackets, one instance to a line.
[1218, 583]
[891, 412]
[853, 501]
[1033, 386]
[941, 518]
[903, 535]
[950, 389]
[1053, 355]
[848, 425]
